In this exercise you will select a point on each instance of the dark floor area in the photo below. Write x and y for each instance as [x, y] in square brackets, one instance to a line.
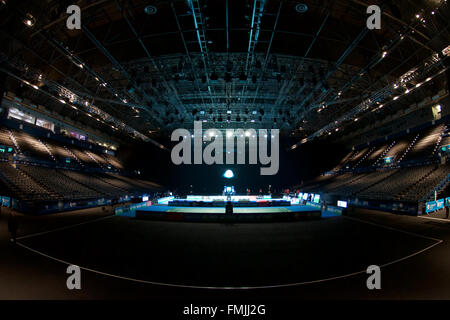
[323, 259]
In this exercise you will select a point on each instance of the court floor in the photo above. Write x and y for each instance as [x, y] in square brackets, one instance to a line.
[127, 258]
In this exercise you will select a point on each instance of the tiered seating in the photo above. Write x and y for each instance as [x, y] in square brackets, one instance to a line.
[33, 183]
[131, 185]
[401, 180]
[317, 182]
[140, 185]
[99, 160]
[445, 138]
[4, 137]
[30, 145]
[426, 143]
[444, 192]
[420, 189]
[338, 181]
[364, 182]
[95, 183]
[411, 184]
[113, 161]
[374, 156]
[83, 157]
[22, 185]
[344, 161]
[60, 183]
[398, 149]
[53, 151]
[59, 151]
[359, 157]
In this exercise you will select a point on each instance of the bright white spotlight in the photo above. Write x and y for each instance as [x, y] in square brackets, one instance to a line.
[228, 174]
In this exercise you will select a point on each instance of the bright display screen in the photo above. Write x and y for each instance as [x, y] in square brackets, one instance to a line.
[388, 160]
[316, 198]
[342, 204]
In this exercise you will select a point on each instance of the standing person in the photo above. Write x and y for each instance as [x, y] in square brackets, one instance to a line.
[229, 208]
[447, 208]
[12, 227]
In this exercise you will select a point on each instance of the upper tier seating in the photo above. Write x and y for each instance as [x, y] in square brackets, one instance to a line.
[30, 145]
[112, 161]
[53, 151]
[358, 157]
[344, 161]
[372, 158]
[425, 143]
[4, 137]
[398, 149]
[414, 183]
[47, 182]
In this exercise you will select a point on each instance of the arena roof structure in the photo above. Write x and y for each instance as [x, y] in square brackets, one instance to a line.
[143, 68]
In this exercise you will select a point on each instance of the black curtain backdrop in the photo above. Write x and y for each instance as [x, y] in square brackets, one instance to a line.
[301, 164]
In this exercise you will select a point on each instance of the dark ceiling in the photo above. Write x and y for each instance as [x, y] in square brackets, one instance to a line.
[153, 66]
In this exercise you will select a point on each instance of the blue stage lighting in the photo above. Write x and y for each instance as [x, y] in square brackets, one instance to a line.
[228, 174]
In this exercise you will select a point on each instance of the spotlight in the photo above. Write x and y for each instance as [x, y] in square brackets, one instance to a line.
[228, 174]
[29, 20]
[150, 10]
[301, 8]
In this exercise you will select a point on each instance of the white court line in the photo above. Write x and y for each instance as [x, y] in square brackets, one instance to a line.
[433, 218]
[63, 228]
[392, 229]
[437, 242]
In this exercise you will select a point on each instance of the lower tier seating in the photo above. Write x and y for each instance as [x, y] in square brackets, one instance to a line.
[36, 183]
[410, 184]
